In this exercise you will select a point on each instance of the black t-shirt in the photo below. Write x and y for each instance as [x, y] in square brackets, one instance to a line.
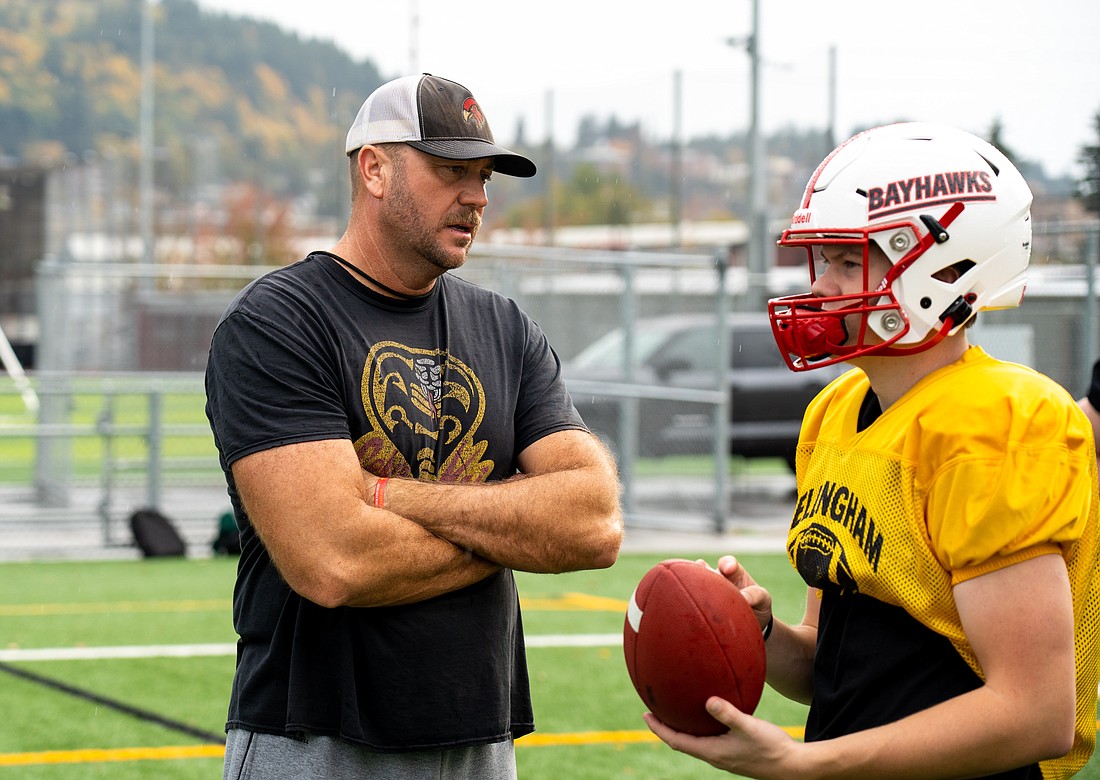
[876, 664]
[1093, 393]
[450, 387]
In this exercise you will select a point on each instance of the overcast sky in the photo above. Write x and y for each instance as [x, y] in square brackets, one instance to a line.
[1033, 65]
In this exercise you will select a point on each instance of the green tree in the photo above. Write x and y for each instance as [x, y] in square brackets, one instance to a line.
[996, 138]
[274, 105]
[589, 197]
[1088, 188]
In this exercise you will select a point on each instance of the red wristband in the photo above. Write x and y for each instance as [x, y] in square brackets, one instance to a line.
[380, 492]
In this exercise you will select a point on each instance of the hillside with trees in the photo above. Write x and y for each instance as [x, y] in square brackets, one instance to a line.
[268, 104]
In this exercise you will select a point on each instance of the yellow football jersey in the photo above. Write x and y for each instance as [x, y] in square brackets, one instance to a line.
[980, 465]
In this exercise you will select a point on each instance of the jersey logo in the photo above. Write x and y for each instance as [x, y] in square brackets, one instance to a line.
[424, 409]
[821, 560]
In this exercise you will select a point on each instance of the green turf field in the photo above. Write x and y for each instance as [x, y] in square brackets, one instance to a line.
[588, 714]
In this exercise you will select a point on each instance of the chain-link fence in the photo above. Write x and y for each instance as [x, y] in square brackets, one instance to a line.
[698, 414]
[100, 447]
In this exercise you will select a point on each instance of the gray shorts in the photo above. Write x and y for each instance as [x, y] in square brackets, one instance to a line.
[252, 756]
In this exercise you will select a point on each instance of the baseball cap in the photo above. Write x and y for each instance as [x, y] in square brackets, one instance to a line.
[433, 115]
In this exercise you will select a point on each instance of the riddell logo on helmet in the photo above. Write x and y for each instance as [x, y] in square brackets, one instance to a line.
[931, 190]
[471, 112]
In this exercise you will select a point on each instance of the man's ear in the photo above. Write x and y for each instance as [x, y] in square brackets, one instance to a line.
[375, 168]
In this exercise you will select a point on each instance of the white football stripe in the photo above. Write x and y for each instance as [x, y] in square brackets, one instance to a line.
[634, 613]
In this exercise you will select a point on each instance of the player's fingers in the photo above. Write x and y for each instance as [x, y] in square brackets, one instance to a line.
[727, 563]
[730, 568]
[666, 734]
[677, 740]
[703, 562]
[724, 712]
[759, 599]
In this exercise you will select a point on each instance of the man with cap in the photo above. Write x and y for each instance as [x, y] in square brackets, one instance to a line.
[396, 441]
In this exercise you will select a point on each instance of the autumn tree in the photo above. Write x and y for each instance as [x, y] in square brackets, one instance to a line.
[1088, 188]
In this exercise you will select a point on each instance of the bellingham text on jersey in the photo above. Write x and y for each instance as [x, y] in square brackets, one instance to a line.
[840, 504]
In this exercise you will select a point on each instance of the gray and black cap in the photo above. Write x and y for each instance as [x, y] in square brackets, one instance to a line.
[433, 115]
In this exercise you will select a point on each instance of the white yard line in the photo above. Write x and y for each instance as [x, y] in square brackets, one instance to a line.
[574, 640]
[195, 651]
[109, 653]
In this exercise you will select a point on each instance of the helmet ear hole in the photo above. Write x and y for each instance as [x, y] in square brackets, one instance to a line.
[952, 273]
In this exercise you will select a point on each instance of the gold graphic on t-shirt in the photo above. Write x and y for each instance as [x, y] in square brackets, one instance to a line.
[424, 409]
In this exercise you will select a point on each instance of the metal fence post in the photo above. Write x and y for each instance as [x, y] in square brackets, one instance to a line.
[628, 407]
[105, 426]
[722, 409]
[154, 444]
[53, 465]
[53, 456]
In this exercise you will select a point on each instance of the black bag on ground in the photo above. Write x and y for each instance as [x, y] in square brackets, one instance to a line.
[155, 534]
[228, 540]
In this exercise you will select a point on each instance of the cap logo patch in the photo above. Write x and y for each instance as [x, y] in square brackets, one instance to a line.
[471, 112]
[930, 190]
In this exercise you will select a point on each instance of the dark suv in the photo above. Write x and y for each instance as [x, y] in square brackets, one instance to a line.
[767, 399]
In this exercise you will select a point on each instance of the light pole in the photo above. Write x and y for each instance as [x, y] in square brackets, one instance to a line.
[757, 281]
[414, 37]
[676, 210]
[145, 130]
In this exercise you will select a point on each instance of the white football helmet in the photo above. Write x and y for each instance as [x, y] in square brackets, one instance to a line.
[931, 197]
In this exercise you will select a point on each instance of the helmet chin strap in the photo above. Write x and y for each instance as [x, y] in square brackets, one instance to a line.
[928, 343]
[956, 314]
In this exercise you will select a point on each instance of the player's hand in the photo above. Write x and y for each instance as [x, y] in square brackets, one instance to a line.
[758, 597]
[752, 747]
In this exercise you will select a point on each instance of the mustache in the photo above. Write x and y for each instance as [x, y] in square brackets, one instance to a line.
[465, 217]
